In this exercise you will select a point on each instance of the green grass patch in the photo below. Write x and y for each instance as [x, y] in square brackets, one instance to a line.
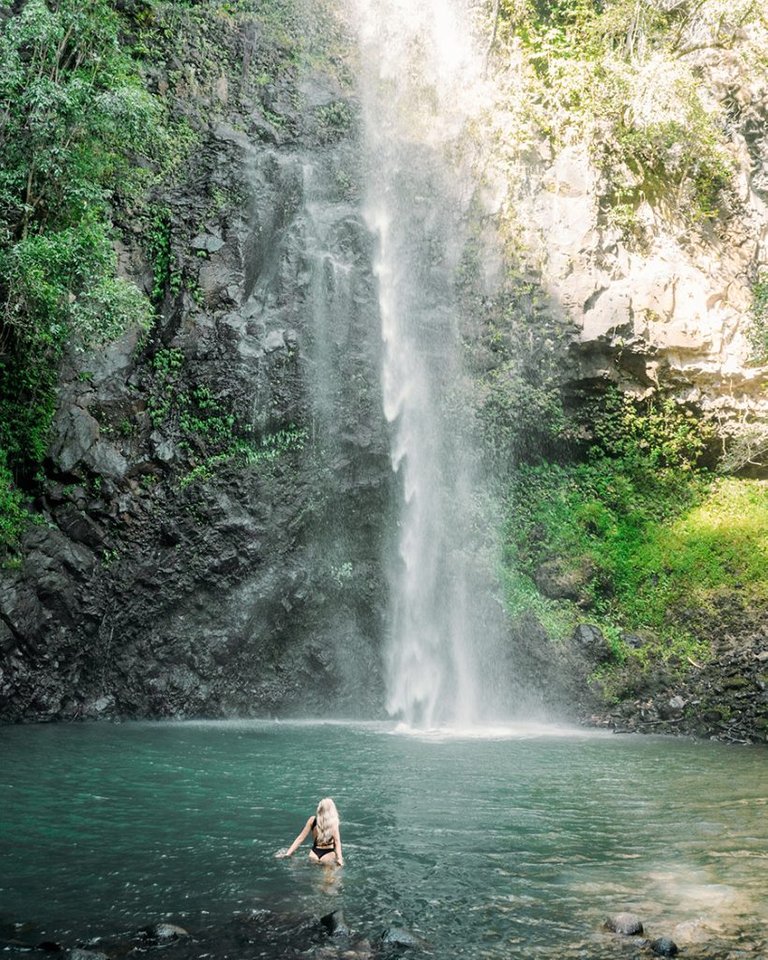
[656, 545]
[722, 542]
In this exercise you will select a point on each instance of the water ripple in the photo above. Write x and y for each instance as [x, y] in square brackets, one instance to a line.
[485, 846]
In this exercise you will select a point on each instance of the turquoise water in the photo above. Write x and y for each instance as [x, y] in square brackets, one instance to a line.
[516, 841]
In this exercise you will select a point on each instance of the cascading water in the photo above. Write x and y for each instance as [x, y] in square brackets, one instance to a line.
[420, 78]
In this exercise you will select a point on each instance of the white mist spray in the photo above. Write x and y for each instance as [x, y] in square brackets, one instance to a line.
[421, 84]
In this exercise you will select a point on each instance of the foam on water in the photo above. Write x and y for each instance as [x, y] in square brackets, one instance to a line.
[507, 731]
[437, 734]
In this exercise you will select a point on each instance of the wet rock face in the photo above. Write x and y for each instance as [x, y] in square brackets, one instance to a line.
[214, 521]
[675, 310]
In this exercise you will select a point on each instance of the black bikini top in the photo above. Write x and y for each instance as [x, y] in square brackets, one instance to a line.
[329, 846]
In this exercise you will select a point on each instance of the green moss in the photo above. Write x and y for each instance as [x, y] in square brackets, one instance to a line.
[611, 75]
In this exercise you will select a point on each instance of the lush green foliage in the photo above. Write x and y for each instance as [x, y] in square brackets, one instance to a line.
[13, 514]
[284, 34]
[623, 520]
[611, 500]
[157, 241]
[76, 119]
[78, 131]
[194, 418]
[620, 76]
[83, 146]
[203, 426]
[248, 453]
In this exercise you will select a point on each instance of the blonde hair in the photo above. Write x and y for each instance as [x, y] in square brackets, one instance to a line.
[327, 820]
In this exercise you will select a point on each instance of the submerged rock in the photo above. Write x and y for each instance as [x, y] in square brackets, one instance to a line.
[399, 937]
[627, 924]
[79, 953]
[335, 924]
[163, 932]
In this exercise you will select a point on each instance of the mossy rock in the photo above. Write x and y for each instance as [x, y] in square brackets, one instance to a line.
[736, 683]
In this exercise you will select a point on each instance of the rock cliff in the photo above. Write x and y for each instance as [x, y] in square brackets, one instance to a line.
[218, 493]
[219, 500]
[666, 300]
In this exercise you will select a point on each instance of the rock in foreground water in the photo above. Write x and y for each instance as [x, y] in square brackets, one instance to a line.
[664, 947]
[399, 937]
[335, 924]
[627, 924]
[79, 953]
[164, 932]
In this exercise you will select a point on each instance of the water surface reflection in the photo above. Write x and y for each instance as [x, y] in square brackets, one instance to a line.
[521, 839]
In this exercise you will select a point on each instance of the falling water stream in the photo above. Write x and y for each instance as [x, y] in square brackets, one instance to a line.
[420, 78]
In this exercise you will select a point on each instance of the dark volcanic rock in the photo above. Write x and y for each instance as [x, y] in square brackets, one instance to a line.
[335, 924]
[724, 697]
[591, 641]
[219, 495]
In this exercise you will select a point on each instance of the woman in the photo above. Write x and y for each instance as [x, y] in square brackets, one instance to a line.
[326, 839]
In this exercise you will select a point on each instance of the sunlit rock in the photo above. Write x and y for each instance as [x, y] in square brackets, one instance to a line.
[627, 924]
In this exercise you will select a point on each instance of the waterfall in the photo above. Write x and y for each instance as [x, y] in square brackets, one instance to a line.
[419, 81]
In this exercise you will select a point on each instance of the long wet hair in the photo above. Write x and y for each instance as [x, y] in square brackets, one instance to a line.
[327, 820]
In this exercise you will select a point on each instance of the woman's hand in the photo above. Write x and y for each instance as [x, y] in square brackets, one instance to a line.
[282, 854]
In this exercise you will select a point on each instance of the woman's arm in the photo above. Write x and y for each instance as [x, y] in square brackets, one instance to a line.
[337, 847]
[298, 841]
